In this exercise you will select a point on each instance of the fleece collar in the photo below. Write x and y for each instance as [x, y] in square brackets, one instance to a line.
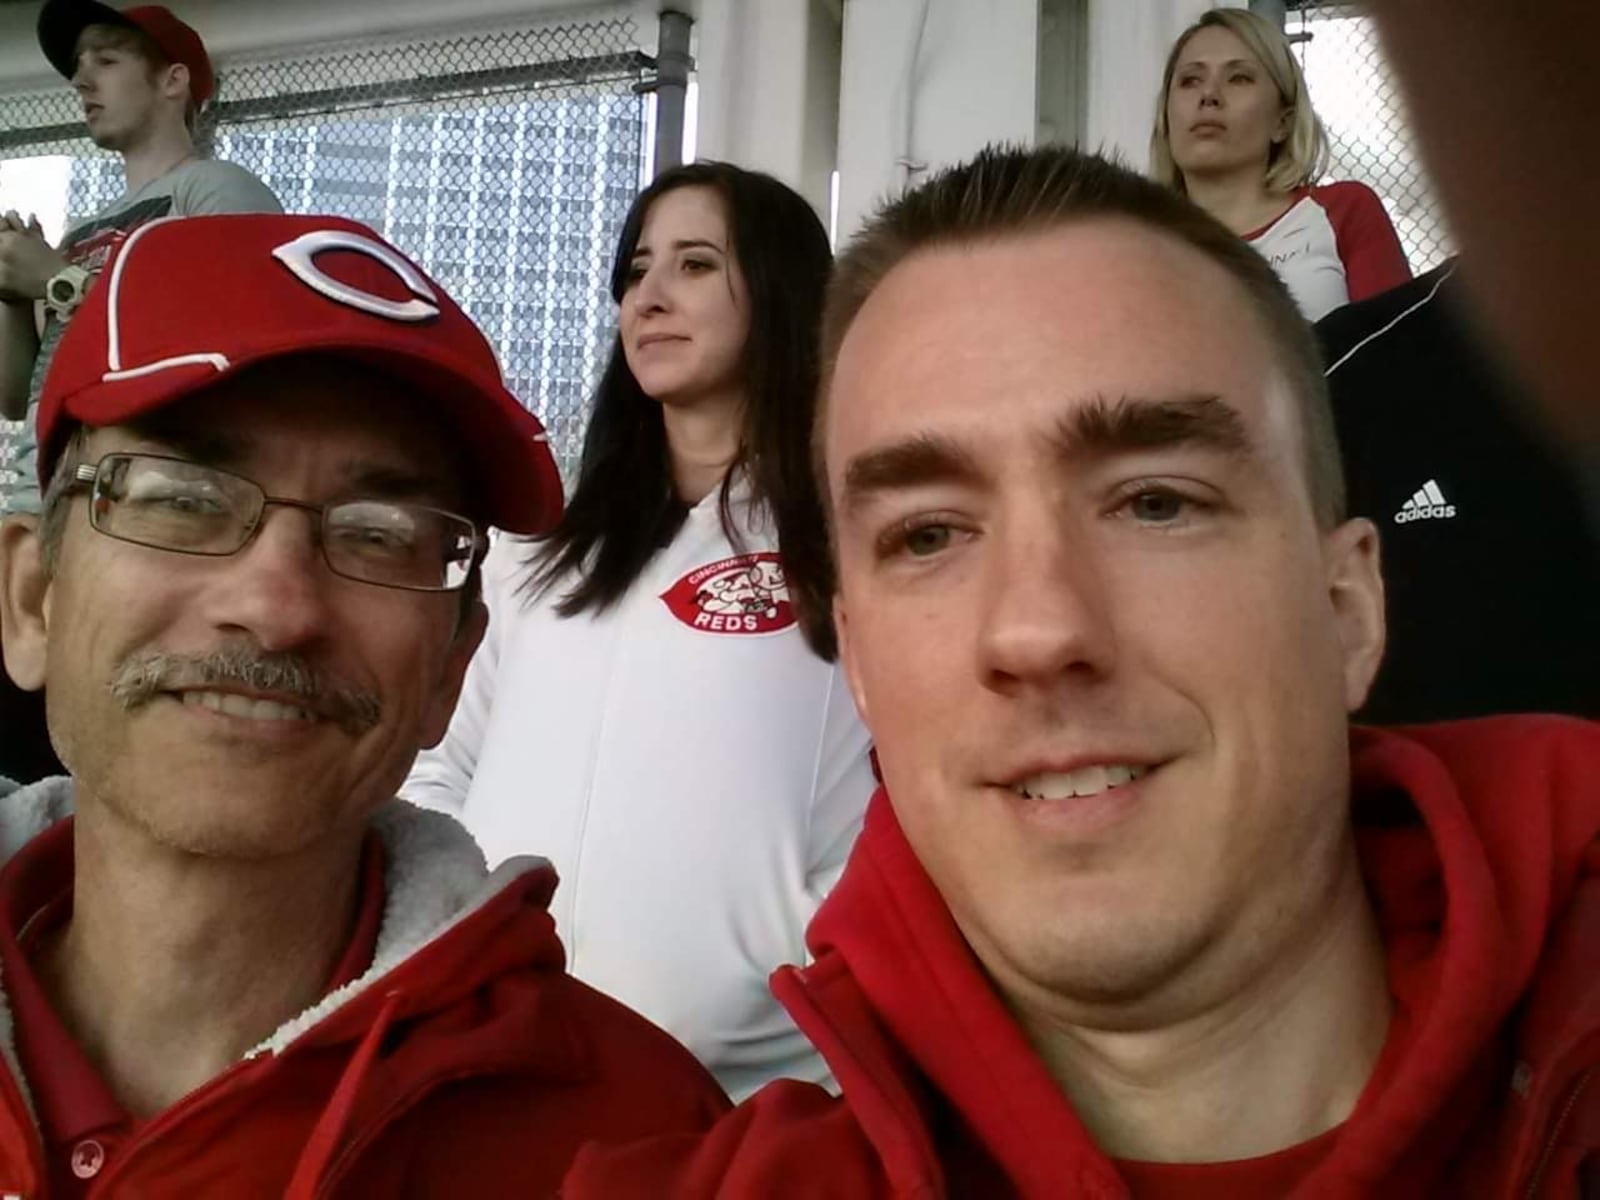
[435, 880]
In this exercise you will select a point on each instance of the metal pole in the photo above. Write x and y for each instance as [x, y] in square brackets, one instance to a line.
[1276, 11]
[671, 86]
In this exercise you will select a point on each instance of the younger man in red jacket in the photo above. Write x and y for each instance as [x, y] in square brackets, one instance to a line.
[233, 964]
[1136, 912]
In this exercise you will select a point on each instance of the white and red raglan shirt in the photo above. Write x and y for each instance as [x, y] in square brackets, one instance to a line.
[1334, 245]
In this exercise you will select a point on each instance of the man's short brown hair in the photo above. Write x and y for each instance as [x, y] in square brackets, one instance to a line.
[1008, 191]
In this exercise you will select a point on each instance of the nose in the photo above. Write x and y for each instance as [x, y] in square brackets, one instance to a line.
[1046, 616]
[650, 293]
[1210, 92]
[277, 589]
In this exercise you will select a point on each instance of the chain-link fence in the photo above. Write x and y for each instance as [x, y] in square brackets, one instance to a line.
[504, 162]
[1370, 137]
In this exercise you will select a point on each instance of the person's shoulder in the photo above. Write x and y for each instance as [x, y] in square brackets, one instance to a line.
[790, 1139]
[1351, 206]
[1568, 745]
[1522, 762]
[545, 1073]
[1345, 328]
[216, 168]
[512, 587]
[213, 185]
[1543, 737]
[624, 1045]
[1344, 195]
[510, 562]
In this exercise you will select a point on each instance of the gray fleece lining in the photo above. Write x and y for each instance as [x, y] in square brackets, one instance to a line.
[435, 878]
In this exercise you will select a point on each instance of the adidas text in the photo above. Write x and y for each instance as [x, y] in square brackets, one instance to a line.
[1435, 511]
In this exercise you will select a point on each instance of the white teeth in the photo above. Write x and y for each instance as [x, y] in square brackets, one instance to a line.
[245, 706]
[1085, 781]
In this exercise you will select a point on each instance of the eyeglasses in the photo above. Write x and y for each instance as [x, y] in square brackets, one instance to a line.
[181, 506]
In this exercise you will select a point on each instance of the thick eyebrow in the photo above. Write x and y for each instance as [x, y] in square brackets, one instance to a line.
[1098, 428]
[922, 459]
[376, 482]
[214, 447]
[1103, 427]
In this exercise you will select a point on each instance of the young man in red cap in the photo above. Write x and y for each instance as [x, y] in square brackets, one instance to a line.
[143, 76]
[1137, 913]
[234, 964]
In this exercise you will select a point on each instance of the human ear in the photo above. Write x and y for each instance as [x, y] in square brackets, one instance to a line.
[24, 602]
[1355, 590]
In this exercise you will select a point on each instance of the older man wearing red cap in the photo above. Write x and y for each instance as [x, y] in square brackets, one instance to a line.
[269, 450]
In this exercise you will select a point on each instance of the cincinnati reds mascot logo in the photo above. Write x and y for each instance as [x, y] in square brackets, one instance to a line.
[746, 594]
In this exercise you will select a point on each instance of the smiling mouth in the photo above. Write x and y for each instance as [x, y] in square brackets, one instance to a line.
[1085, 781]
[230, 704]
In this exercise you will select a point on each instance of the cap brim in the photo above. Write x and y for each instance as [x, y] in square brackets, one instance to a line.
[513, 475]
[514, 472]
[61, 22]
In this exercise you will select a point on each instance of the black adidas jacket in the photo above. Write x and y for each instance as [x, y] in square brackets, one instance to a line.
[1493, 574]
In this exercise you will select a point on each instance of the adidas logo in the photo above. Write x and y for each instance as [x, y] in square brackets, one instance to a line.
[1427, 504]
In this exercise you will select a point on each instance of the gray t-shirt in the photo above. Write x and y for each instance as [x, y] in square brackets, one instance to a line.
[191, 189]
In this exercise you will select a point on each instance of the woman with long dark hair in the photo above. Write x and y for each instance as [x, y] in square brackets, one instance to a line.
[655, 707]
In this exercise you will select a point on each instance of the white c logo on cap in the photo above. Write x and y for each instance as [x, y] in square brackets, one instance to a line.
[299, 256]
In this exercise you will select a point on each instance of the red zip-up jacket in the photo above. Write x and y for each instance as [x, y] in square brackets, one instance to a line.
[1479, 845]
[465, 1062]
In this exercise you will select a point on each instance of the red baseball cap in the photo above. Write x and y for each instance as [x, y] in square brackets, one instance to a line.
[61, 22]
[187, 301]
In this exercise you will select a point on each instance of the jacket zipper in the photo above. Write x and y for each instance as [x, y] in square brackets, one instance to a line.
[1542, 1164]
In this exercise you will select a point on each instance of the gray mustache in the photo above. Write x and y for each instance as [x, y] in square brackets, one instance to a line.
[143, 676]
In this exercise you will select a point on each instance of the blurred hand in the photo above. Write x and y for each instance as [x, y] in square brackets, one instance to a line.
[27, 261]
[1516, 169]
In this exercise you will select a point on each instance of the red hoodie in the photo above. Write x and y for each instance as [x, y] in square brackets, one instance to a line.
[464, 1062]
[1480, 843]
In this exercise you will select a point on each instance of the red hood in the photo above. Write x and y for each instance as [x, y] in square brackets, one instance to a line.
[465, 1061]
[1474, 837]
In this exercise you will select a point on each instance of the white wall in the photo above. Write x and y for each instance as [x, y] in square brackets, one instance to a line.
[1128, 45]
[973, 82]
[978, 79]
[768, 74]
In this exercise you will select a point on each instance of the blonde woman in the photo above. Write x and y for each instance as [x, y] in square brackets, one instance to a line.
[1236, 133]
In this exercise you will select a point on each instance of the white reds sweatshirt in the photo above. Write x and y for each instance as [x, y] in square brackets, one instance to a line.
[695, 773]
